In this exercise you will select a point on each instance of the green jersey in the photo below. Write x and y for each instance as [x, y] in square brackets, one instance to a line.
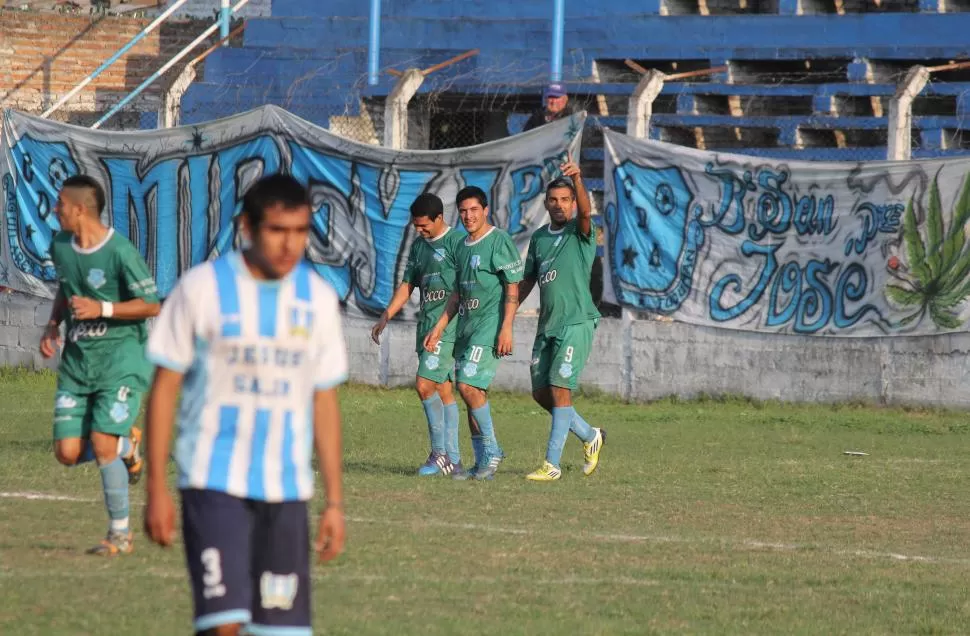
[99, 352]
[561, 262]
[484, 267]
[432, 268]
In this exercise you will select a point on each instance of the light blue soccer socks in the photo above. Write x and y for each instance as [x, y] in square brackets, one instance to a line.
[582, 428]
[114, 480]
[434, 410]
[562, 418]
[451, 432]
[483, 415]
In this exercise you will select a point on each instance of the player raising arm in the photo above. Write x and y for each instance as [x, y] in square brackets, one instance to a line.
[105, 293]
[560, 260]
[489, 269]
[254, 343]
[431, 268]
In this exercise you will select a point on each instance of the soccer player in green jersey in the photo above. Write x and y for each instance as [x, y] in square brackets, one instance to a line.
[560, 260]
[104, 295]
[431, 268]
[489, 270]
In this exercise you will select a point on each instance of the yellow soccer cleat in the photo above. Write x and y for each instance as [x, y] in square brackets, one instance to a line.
[591, 452]
[548, 472]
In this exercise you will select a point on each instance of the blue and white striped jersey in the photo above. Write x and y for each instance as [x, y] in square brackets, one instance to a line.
[253, 353]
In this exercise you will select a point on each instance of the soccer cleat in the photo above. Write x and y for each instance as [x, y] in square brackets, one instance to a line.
[464, 473]
[591, 451]
[488, 469]
[114, 544]
[458, 471]
[133, 462]
[431, 467]
[548, 472]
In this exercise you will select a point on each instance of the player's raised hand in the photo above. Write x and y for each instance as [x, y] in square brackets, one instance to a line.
[160, 517]
[570, 168]
[50, 341]
[503, 346]
[330, 536]
[378, 329]
[85, 308]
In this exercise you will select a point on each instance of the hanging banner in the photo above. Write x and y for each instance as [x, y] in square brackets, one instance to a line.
[832, 249]
[175, 192]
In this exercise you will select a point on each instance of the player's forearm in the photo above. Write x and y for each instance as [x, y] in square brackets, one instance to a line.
[511, 304]
[451, 310]
[399, 300]
[584, 208]
[159, 420]
[329, 444]
[135, 309]
[59, 308]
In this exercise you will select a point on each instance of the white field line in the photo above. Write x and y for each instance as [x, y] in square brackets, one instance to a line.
[748, 544]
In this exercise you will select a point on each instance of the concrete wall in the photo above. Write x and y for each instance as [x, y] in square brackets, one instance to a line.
[644, 360]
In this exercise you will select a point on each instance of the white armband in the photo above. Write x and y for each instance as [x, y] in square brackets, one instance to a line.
[107, 309]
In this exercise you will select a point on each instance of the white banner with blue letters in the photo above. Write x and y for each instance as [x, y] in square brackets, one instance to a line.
[175, 192]
[829, 249]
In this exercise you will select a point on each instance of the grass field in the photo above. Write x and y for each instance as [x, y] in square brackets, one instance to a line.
[717, 517]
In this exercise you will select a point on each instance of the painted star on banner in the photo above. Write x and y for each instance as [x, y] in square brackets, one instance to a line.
[630, 257]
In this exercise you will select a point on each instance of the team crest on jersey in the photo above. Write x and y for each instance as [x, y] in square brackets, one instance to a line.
[470, 369]
[431, 362]
[439, 255]
[565, 369]
[301, 321]
[119, 412]
[558, 241]
[96, 278]
[475, 261]
[278, 590]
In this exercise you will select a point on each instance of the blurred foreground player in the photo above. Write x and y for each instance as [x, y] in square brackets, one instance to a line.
[254, 342]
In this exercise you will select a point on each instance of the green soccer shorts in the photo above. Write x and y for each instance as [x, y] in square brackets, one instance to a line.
[439, 366]
[476, 365]
[558, 359]
[77, 413]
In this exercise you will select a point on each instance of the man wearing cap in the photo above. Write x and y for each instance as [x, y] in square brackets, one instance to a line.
[556, 106]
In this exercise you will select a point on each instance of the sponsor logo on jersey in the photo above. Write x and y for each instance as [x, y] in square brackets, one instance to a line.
[548, 277]
[96, 278]
[88, 329]
[439, 255]
[435, 295]
[475, 261]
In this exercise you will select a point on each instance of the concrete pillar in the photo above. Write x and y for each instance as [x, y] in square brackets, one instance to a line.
[641, 104]
[396, 109]
[901, 113]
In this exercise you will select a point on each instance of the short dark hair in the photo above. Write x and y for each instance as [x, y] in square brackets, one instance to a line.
[274, 189]
[561, 182]
[472, 192]
[428, 205]
[91, 187]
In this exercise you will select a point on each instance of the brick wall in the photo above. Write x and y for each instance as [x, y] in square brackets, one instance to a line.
[207, 8]
[44, 55]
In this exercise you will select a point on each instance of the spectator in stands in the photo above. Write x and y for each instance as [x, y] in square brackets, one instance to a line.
[556, 107]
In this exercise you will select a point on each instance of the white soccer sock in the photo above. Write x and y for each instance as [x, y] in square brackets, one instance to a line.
[119, 525]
